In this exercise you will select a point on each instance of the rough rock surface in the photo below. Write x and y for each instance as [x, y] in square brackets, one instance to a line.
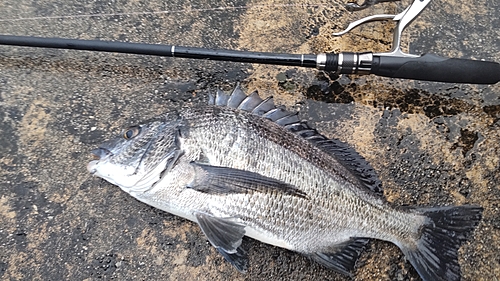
[431, 143]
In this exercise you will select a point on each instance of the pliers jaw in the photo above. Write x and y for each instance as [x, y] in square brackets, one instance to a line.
[353, 6]
[403, 19]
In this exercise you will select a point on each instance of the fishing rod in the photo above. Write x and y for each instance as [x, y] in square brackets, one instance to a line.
[394, 64]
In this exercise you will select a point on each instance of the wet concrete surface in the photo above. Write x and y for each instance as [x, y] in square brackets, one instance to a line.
[431, 143]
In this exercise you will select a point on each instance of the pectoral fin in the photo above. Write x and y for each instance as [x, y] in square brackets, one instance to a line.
[226, 236]
[220, 180]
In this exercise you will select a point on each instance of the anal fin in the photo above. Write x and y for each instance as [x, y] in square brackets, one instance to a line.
[342, 257]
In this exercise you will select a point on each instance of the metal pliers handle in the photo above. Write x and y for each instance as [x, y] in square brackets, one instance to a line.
[397, 64]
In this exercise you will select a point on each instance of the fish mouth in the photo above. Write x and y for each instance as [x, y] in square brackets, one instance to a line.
[97, 155]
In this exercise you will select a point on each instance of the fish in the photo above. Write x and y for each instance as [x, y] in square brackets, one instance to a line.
[242, 166]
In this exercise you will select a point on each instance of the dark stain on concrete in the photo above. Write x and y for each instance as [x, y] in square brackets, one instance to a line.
[8, 138]
[493, 111]
[327, 89]
[466, 141]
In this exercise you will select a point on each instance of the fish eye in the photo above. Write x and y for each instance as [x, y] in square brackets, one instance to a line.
[131, 132]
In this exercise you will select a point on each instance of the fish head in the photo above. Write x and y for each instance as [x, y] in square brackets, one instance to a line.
[136, 158]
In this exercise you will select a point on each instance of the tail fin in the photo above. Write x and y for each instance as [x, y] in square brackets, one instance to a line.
[435, 256]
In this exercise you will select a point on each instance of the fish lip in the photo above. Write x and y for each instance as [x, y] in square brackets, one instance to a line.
[91, 166]
[98, 154]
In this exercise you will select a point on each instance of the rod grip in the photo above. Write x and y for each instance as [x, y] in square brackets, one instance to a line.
[430, 67]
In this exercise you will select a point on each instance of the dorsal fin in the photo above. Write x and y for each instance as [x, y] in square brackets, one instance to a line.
[341, 151]
[254, 104]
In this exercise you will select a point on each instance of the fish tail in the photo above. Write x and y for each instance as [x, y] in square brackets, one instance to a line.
[435, 253]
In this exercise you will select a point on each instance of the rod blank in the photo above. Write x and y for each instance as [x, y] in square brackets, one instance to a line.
[161, 50]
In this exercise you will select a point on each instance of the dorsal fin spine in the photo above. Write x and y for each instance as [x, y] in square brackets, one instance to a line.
[261, 108]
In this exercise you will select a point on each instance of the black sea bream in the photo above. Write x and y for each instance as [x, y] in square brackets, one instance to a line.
[241, 166]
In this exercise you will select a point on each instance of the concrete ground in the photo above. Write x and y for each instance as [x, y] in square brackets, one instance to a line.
[431, 143]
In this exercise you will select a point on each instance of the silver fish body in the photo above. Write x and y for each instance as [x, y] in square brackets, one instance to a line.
[240, 166]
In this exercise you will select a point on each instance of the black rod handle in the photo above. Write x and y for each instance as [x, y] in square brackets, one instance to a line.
[430, 67]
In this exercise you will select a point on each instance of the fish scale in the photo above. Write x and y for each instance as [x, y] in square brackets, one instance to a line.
[209, 138]
[285, 166]
[241, 166]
